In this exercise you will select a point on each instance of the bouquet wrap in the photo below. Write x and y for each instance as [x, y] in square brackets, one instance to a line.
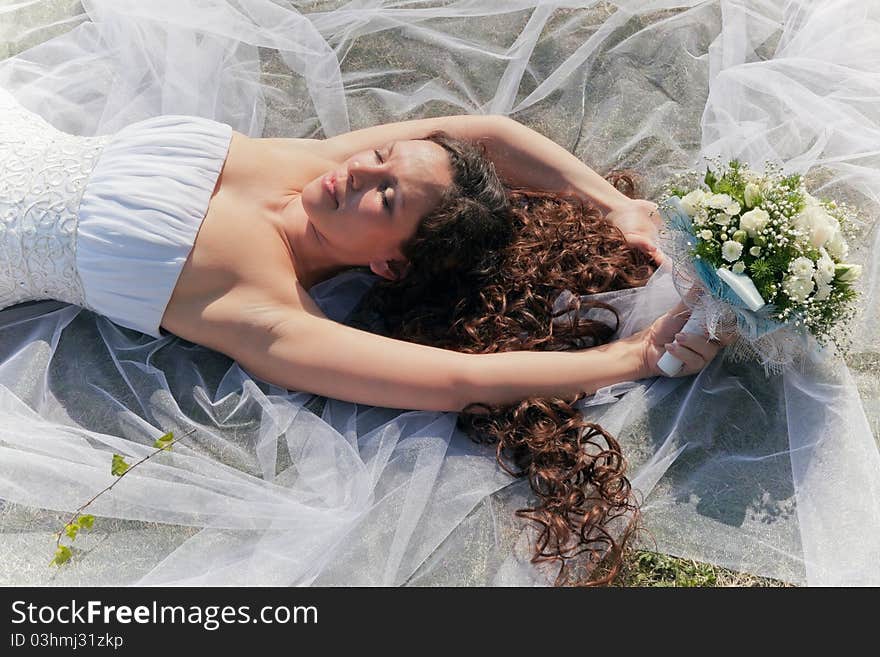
[755, 256]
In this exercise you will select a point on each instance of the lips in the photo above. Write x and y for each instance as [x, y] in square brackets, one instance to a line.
[328, 182]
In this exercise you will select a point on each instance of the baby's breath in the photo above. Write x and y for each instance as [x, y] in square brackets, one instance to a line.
[788, 229]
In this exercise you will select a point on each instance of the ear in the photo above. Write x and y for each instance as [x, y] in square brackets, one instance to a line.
[393, 270]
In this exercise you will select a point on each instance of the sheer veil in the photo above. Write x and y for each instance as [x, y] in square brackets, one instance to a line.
[778, 477]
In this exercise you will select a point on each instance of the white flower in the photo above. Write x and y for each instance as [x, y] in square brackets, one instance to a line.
[823, 291]
[824, 268]
[848, 273]
[801, 267]
[738, 268]
[837, 246]
[692, 200]
[731, 250]
[718, 201]
[755, 251]
[723, 219]
[797, 288]
[816, 223]
[752, 194]
[754, 221]
[732, 208]
[706, 234]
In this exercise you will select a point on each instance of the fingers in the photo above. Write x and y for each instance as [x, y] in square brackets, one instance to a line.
[695, 351]
[650, 249]
[693, 362]
[680, 313]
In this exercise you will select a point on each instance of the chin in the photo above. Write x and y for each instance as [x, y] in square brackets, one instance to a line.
[311, 200]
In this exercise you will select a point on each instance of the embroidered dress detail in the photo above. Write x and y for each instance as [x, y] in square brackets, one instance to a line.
[42, 178]
[105, 223]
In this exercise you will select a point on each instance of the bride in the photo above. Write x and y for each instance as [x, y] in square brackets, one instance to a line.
[735, 470]
[411, 200]
[287, 214]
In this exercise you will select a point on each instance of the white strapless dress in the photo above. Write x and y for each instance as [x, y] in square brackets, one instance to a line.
[104, 222]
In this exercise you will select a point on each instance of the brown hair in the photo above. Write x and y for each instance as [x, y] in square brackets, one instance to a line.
[486, 266]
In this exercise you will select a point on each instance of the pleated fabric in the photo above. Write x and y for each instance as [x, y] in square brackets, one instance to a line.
[140, 213]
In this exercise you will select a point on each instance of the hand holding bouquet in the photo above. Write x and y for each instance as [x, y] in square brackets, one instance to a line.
[757, 255]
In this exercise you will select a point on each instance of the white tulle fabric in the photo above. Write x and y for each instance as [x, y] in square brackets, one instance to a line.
[778, 477]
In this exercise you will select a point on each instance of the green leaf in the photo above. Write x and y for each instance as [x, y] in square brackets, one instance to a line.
[165, 441]
[710, 179]
[86, 521]
[119, 466]
[71, 529]
[62, 554]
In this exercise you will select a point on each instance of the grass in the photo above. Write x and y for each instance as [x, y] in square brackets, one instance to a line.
[645, 568]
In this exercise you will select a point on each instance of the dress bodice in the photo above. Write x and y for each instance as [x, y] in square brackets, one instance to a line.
[105, 223]
[43, 172]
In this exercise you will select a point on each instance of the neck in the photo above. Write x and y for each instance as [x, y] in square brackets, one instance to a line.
[313, 260]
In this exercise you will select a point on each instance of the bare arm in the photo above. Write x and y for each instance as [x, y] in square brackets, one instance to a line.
[522, 156]
[308, 353]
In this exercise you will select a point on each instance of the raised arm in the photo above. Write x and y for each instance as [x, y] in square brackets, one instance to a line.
[300, 351]
[522, 156]
[311, 354]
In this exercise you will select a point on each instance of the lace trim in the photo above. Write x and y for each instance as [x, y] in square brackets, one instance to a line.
[43, 174]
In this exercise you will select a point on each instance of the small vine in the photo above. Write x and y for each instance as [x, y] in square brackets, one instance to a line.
[119, 467]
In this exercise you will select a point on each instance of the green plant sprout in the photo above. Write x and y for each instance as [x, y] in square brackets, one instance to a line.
[118, 468]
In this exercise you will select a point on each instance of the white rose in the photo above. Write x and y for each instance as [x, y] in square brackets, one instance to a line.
[752, 194]
[837, 246]
[731, 250]
[706, 234]
[801, 267]
[692, 200]
[817, 224]
[824, 229]
[823, 291]
[797, 288]
[738, 268]
[824, 268]
[754, 221]
[718, 201]
[848, 273]
[755, 251]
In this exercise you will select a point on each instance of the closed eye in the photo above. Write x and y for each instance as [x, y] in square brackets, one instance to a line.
[384, 197]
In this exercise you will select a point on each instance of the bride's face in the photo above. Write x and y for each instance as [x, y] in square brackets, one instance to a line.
[366, 208]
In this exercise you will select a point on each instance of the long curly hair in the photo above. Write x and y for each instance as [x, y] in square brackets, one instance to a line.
[495, 269]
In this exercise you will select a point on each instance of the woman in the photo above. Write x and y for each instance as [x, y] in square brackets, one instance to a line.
[358, 495]
[307, 209]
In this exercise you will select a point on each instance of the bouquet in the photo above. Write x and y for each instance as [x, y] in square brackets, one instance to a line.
[756, 255]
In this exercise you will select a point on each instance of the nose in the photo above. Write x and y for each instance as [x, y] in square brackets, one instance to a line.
[361, 174]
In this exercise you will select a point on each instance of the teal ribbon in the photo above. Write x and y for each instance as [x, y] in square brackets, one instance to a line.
[752, 324]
